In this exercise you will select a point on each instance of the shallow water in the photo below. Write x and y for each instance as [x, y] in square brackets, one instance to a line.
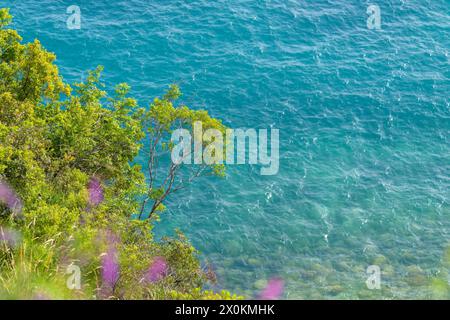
[364, 119]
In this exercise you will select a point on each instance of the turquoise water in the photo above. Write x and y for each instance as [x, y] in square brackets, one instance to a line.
[364, 119]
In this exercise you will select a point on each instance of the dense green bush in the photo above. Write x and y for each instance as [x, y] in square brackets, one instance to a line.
[55, 141]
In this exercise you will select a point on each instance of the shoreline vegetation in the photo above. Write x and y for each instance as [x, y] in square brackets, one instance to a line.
[70, 195]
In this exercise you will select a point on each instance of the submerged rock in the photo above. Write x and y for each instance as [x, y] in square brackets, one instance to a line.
[254, 262]
[335, 289]
[416, 277]
[260, 284]
[232, 247]
[380, 260]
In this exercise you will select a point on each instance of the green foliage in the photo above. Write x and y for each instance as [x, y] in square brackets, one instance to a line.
[440, 284]
[161, 120]
[5, 17]
[199, 294]
[53, 141]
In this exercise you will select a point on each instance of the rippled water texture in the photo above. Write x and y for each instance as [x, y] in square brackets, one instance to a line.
[364, 119]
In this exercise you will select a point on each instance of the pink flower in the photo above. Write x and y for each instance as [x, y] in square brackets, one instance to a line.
[110, 268]
[95, 192]
[273, 290]
[157, 270]
[41, 296]
[9, 197]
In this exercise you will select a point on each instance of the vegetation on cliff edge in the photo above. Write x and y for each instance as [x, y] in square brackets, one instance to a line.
[67, 152]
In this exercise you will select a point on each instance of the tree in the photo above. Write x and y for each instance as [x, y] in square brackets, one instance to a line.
[163, 117]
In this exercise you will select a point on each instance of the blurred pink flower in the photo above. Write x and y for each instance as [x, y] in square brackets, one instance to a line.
[9, 197]
[110, 268]
[95, 192]
[41, 296]
[157, 270]
[273, 290]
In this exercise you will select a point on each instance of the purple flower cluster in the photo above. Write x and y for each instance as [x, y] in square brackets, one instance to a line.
[110, 271]
[95, 192]
[273, 290]
[157, 271]
[9, 197]
[110, 268]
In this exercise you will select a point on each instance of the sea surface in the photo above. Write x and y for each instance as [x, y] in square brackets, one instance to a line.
[364, 120]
